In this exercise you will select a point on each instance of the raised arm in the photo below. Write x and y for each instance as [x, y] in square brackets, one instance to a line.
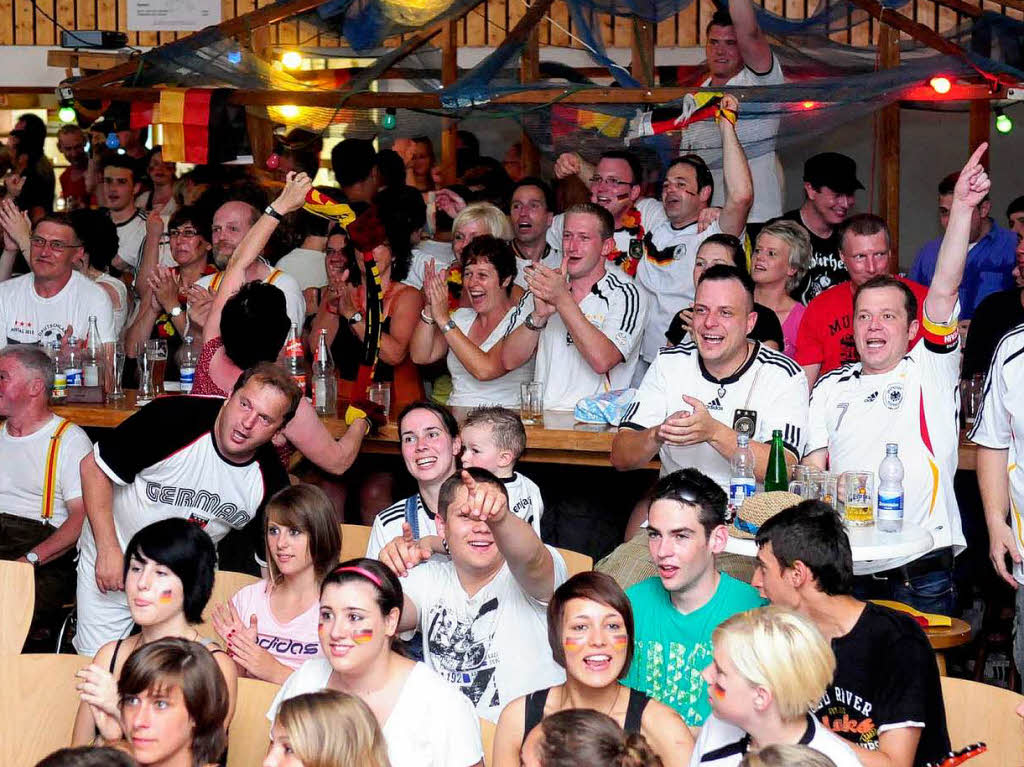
[971, 188]
[754, 48]
[292, 197]
[739, 185]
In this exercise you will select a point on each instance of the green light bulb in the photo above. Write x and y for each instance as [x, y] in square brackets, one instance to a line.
[1003, 123]
[390, 119]
[67, 114]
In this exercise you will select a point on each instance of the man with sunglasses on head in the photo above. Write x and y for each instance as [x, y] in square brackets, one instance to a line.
[53, 300]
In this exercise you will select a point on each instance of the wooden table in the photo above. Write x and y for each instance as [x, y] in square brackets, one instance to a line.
[943, 638]
[559, 440]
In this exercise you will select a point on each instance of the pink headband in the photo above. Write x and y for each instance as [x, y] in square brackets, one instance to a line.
[363, 572]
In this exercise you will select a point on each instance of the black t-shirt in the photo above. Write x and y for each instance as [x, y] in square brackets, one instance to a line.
[826, 267]
[886, 678]
[995, 316]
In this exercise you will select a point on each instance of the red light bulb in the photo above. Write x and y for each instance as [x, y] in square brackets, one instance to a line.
[273, 161]
[940, 85]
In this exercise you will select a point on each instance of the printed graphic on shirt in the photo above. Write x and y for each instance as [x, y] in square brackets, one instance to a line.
[287, 646]
[462, 651]
[849, 716]
[678, 682]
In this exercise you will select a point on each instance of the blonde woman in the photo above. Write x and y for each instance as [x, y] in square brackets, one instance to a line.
[769, 668]
[270, 627]
[781, 258]
[326, 729]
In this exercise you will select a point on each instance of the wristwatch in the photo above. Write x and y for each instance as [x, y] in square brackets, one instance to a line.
[448, 326]
[269, 211]
[355, 318]
[531, 325]
[33, 559]
[176, 311]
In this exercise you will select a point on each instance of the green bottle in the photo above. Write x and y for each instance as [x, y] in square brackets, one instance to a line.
[776, 475]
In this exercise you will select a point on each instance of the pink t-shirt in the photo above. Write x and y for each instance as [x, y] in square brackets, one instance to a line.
[292, 643]
[790, 328]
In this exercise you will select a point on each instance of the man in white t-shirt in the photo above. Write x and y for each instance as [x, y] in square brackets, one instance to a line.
[205, 459]
[666, 272]
[307, 263]
[483, 613]
[39, 308]
[41, 509]
[584, 321]
[531, 213]
[615, 185]
[909, 397]
[699, 396]
[120, 188]
[231, 223]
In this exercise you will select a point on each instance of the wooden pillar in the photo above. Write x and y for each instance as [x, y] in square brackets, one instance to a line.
[449, 73]
[530, 72]
[257, 121]
[642, 64]
[979, 127]
[888, 149]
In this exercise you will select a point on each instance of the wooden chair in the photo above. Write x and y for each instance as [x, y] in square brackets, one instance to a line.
[38, 706]
[487, 730]
[226, 584]
[354, 539]
[981, 712]
[249, 733]
[576, 562]
[17, 602]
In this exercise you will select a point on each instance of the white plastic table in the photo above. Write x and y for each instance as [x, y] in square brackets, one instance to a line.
[869, 544]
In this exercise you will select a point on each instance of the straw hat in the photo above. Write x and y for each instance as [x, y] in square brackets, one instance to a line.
[758, 509]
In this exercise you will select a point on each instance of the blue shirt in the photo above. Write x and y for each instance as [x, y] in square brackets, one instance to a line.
[989, 267]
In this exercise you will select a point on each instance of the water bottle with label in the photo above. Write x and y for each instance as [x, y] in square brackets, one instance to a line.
[188, 358]
[889, 509]
[72, 363]
[741, 475]
[60, 381]
[92, 360]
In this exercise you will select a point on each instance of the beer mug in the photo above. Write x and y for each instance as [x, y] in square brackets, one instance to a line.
[859, 508]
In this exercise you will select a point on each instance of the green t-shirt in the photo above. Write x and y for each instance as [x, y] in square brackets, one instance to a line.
[672, 649]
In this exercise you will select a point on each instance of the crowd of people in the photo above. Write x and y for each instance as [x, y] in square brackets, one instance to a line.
[724, 318]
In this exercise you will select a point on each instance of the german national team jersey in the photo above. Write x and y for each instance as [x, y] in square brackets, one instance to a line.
[28, 318]
[914, 405]
[618, 309]
[769, 392]
[652, 215]
[666, 276]
[999, 421]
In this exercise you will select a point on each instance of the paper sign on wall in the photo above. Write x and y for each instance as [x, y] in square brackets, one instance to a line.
[172, 15]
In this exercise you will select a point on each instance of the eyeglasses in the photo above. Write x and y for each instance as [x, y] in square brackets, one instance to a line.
[57, 246]
[609, 180]
[184, 233]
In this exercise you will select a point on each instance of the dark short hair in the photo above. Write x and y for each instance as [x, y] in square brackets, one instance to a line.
[392, 168]
[695, 161]
[863, 225]
[634, 163]
[254, 324]
[597, 587]
[192, 668]
[444, 415]
[186, 550]
[32, 137]
[353, 160]
[98, 234]
[472, 143]
[451, 486]
[273, 375]
[191, 214]
[87, 756]
[732, 243]
[693, 488]
[304, 147]
[719, 18]
[812, 532]
[122, 161]
[494, 251]
[60, 219]
[1016, 206]
[539, 183]
[948, 184]
[387, 587]
[888, 281]
[722, 272]
[606, 224]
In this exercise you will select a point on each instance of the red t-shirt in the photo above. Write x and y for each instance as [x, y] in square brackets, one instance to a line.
[826, 330]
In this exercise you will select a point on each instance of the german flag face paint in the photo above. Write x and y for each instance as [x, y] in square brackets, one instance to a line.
[166, 597]
[620, 641]
[573, 643]
[362, 636]
[716, 691]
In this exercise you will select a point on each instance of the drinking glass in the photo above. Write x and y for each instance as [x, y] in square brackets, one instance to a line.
[146, 388]
[859, 509]
[156, 352]
[798, 480]
[828, 491]
[380, 392]
[531, 407]
[114, 351]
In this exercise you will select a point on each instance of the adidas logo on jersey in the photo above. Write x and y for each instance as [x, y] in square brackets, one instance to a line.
[714, 404]
[871, 397]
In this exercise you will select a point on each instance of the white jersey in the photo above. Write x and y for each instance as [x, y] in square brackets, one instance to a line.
[24, 471]
[28, 318]
[721, 744]
[131, 239]
[666, 276]
[120, 315]
[915, 405]
[652, 215]
[998, 423]
[431, 724]
[770, 386]
[307, 266]
[467, 391]
[440, 252]
[294, 301]
[552, 259]
[618, 309]
[523, 500]
[493, 645]
[757, 138]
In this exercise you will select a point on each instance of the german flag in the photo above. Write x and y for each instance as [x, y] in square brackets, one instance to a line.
[196, 125]
[566, 121]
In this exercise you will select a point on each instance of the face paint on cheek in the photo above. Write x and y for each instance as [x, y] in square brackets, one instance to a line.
[573, 644]
[362, 636]
[717, 691]
[620, 641]
[166, 597]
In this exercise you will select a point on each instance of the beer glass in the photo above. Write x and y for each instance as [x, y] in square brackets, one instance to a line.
[115, 368]
[156, 352]
[531, 407]
[380, 392]
[860, 498]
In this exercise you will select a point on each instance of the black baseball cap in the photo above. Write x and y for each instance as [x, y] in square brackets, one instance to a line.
[836, 171]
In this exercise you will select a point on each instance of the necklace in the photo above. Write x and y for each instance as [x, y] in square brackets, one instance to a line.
[721, 386]
[618, 691]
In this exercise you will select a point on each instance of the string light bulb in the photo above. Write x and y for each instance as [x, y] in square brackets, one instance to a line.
[940, 85]
[1003, 122]
[291, 59]
[289, 111]
[67, 114]
[113, 142]
[390, 118]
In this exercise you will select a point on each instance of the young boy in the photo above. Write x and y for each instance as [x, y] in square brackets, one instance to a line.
[493, 438]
